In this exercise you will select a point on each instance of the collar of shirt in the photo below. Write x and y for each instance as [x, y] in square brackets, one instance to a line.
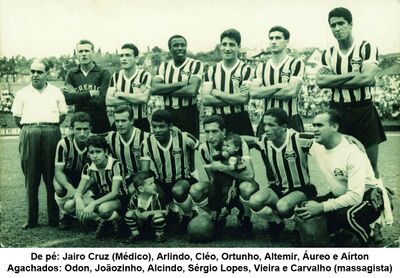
[95, 68]
[108, 166]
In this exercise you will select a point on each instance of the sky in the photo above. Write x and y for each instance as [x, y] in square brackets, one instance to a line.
[40, 28]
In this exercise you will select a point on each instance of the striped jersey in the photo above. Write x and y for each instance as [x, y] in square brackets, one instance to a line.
[136, 84]
[69, 155]
[128, 153]
[270, 74]
[289, 161]
[358, 54]
[228, 81]
[155, 202]
[171, 162]
[102, 179]
[169, 73]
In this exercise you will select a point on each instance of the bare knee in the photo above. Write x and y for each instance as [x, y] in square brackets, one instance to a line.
[180, 190]
[105, 210]
[130, 214]
[198, 191]
[69, 206]
[256, 202]
[247, 189]
[284, 208]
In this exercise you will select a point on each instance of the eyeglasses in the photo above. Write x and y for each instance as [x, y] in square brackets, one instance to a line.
[37, 71]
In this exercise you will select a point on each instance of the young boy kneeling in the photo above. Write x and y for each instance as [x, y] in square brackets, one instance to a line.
[101, 193]
[146, 208]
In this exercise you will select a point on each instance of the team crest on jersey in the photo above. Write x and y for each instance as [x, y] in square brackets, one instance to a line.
[338, 174]
[136, 151]
[136, 85]
[177, 152]
[285, 75]
[290, 155]
[356, 64]
[236, 78]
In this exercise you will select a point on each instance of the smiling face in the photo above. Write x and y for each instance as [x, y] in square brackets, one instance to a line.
[123, 123]
[127, 58]
[230, 49]
[178, 48]
[340, 28]
[85, 53]
[38, 75]
[277, 42]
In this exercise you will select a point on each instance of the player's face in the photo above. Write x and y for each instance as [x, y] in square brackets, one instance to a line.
[126, 58]
[277, 42]
[272, 130]
[123, 123]
[229, 48]
[161, 130]
[214, 135]
[149, 186]
[81, 131]
[85, 53]
[178, 48]
[340, 28]
[38, 75]
[229, 147]
[98, 156]
[322, 129]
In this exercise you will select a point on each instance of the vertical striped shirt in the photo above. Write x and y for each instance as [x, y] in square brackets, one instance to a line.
[102, 179]
[171, 74]
[69, 155]
[270, 74]
[228, 81]
[128, 153]
[171, 162]
[155, 202]
[141, 79]
[358, 54]
[288, 162]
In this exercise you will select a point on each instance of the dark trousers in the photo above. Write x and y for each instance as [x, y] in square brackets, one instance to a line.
[37, 150]
[186, 119]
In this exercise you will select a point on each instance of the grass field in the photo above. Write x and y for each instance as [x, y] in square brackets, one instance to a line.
[13, 209]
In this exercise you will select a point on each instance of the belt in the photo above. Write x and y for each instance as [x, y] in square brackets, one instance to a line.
[41, 124]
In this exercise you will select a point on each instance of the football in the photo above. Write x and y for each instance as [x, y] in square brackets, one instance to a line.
[200, 229]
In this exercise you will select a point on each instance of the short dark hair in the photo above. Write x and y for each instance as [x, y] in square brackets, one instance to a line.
[86, 42]
[139, 178]
[279, 114]
[121, 108]
[232, 34]
[235, 138]
[80, 117]
[175, 37]
[162, 115]
[214, 119]
[341, 12]
[97, 141]
[283, 30]
[334, 116]
[132, 47]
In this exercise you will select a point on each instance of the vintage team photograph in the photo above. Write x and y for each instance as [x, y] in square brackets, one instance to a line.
[195, 123]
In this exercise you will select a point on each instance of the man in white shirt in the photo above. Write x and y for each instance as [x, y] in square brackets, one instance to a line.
[350, 178]
[39, 109]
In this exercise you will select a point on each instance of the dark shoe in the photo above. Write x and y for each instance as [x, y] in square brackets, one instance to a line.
[104, 229]
[377, 237]
[160, 238]
[275, 229]
[66, 222]
[183, 224]
[28, 225]
[132, 238]
[246, 227]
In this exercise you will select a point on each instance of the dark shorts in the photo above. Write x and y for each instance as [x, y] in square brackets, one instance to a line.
[73, 177]
[142, 124]
[309, 190]
[165, 189]
[296, 123]
[362, 122]
[186, 119]
[238, 123]
[355, 218]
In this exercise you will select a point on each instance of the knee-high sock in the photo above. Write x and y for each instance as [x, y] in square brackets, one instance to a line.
[61, 202]
[186, 206]
[159, 223]
[246, 206]
[201, 207]
[268, 214]
[131, 222]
